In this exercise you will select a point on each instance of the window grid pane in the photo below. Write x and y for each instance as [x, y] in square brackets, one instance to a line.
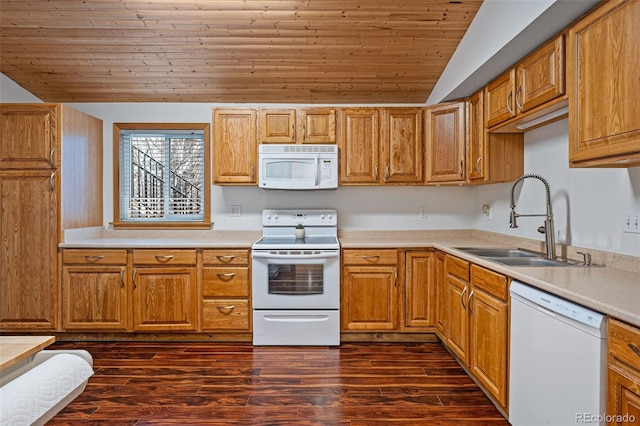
[162, 177]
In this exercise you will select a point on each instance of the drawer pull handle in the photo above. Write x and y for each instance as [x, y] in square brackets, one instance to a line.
[226, 308]
[227, 275]
[370, 257]
[165, 258]
[634, 348]
[227, 258]
[94, 258]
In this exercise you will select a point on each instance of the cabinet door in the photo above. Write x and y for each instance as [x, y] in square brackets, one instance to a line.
[419, 289]
[28, 136]
[358, 146]
[402, 145]
[369, 298]
[623, 396]
[457, 318]
[499, 101]
[164, 299]
[94, 298]
[476, 136]
[277, 125]
[441, 293]
[603, 63]
[317, 125]
[28, 233]
[489, 336]
[446, 134]
[235, 146]
[540, 76]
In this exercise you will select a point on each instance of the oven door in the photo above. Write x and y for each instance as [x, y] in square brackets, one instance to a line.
[296, 279]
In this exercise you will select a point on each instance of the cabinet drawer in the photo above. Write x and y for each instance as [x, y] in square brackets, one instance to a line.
[457, 267]
[95, 257]
[225, 257]
[624, 343]
[223, 314]
[489, 281]
[370, 257]
[164, 257]
[225, 282]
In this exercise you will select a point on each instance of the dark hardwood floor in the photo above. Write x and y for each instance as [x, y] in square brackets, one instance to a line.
[237, 384]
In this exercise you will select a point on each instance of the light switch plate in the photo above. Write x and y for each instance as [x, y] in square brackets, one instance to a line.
[236, 211]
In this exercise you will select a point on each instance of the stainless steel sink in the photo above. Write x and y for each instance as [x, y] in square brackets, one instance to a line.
[500, 252]
[519, 257]
[529, 261]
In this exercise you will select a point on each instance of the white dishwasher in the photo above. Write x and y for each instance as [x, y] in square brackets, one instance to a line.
[557, 372]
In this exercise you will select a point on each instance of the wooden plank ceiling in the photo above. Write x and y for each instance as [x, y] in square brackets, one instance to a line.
[262, 51]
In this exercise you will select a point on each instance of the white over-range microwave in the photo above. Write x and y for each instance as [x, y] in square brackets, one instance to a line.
[289, 166]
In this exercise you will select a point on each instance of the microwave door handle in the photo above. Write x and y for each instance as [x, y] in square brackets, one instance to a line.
[317, 170]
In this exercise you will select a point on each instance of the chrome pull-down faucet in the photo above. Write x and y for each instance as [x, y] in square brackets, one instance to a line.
[547, 230]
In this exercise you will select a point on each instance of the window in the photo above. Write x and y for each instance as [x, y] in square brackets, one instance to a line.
[162, 175]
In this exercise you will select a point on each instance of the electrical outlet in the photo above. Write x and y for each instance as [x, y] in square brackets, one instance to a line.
[236, 211]
[423, 214]
[631, 223]
[486, 211]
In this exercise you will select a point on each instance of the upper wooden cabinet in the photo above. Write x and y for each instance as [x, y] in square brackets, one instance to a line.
[235, 147]
[307, 125]
[358, 146]
[29, 135]
[603, 85]
[402, 145]
[445, 142]
[530, 84]
[380, 146]
[491, 157]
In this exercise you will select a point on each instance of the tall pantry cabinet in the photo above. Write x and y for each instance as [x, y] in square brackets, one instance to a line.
[50, 180]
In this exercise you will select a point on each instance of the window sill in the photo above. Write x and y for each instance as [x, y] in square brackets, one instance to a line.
[162, 225]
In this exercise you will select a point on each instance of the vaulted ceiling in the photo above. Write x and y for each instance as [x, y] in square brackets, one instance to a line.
[281, 51]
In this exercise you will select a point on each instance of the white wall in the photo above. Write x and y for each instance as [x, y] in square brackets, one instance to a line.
[11, 92]
[589, 205]
[359, 207]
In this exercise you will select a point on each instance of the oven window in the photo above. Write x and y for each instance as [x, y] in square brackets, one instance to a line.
[296, 279]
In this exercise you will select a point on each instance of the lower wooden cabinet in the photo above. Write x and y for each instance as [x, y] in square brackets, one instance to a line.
[489, 334]
[95, 290]
[476, 323]
[165, 290]
[370, 290]
[623, 374]
[164, 299]
[226, 288]
[419, 290]
[440, 280]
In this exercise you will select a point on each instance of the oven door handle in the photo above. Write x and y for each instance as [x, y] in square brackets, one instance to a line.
[323, 255]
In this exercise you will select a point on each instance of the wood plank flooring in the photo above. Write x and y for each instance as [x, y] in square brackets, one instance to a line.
[357, 384]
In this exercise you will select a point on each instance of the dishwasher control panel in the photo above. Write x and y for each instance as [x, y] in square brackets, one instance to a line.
[558, 305]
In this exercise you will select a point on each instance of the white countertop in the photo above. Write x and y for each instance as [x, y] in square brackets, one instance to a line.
[610, 290]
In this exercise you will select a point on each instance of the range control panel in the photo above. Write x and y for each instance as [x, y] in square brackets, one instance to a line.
[299, 217]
